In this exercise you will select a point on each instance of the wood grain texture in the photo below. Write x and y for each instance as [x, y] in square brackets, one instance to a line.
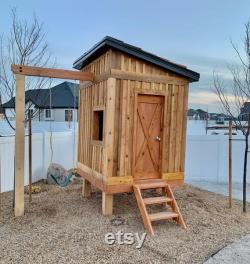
[86, 188]
[107, 203]
[90, 152]
[52, 73]
[132, 77]
[19, 145]
[147, 141]
[109, 125]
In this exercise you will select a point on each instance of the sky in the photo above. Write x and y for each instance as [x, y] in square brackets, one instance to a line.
[196, 33]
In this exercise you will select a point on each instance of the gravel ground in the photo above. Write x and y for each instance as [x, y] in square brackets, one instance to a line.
[60, 226]
[235, 253]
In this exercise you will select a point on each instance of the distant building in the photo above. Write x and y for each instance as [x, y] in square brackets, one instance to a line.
[60, 103]
[245, 111]
[198, 114]
[219, 117]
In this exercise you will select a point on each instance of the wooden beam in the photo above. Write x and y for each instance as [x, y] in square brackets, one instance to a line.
[107, 203]
[52, 73]
[86, 188]
[19, 145]
[171, 176]
[132, 76]
[156, 78]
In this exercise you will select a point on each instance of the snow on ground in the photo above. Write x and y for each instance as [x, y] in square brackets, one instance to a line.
[6, 130]
[198, 127]
[194, 127]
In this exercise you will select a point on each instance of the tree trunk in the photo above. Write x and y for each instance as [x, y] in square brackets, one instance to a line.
[245, 174]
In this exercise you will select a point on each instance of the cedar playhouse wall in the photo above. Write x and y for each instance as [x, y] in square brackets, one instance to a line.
[108, 164]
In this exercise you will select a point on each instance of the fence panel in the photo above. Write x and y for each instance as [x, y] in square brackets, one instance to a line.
[64, 152]
[206, 157]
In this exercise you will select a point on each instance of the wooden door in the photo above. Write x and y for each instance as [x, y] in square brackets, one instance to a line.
[148, 137]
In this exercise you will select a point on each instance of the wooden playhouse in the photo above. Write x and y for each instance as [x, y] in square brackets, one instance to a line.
[132, 120]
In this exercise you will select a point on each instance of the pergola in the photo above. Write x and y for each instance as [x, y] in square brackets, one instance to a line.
[20, 72]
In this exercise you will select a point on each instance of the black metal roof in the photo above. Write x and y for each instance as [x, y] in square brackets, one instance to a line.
[63, 95]
[109, 42]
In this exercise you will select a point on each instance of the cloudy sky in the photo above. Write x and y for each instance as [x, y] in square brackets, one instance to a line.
[196, 33]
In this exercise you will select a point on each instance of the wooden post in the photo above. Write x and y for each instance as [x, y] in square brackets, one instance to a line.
[30, 160]
[19, 145]
[107, 199]
[86, 189]
[230, 165]
[109, 123]
[107, 203]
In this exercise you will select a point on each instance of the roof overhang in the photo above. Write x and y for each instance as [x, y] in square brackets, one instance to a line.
[109, 42]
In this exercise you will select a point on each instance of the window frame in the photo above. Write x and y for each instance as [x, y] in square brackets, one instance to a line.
[95, 141]
[45, 114]
[68, 110]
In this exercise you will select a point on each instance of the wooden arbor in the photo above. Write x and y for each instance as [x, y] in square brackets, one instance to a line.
[132, 119]
[20, 72]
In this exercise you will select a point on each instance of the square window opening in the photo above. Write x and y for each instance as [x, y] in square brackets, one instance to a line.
[98, 125]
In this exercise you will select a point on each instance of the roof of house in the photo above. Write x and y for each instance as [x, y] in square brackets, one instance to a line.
[63, 95]
[245, 109]
[191, 112]
[199, 112]
[109, 42]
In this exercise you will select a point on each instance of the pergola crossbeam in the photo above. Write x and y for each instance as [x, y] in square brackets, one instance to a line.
[52, 73]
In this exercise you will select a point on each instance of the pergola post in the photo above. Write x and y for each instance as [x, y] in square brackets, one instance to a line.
[20, 72]
[19, 145]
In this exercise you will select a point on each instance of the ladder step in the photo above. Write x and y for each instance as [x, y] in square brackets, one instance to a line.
[162, 216]
[157, 200]
[150, 184]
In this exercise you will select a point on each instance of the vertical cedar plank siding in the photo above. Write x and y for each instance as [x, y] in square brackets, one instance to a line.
[93, 96]
[90, 154]
[176, 96]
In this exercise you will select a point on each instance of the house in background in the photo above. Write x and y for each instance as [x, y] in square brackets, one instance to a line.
[198, 114]
[245, 111]
[59, 103]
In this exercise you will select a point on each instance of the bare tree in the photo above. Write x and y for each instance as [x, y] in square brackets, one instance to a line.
[234, 98]
[25, 45]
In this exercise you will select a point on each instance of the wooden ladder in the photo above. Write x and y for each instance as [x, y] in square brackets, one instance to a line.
[167, 199]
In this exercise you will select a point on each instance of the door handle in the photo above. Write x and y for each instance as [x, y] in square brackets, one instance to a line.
[158, 138]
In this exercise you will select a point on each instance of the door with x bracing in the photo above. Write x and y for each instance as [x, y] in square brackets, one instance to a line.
[148, 137]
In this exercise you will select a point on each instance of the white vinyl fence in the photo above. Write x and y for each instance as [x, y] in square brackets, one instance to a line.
[64, 152]
[206, 157]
